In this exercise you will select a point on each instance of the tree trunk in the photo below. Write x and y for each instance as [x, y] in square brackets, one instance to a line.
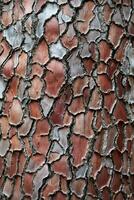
[66, 99]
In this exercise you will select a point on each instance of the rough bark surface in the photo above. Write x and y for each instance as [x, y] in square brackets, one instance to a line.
[67, 99]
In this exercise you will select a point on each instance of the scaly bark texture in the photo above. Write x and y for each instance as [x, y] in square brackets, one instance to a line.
[67, 99]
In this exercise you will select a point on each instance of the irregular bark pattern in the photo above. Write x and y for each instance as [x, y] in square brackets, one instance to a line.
[67, 99]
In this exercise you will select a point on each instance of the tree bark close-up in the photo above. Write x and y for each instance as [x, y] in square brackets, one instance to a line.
[66, 99]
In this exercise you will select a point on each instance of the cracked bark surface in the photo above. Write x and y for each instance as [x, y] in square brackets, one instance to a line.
[67, 99]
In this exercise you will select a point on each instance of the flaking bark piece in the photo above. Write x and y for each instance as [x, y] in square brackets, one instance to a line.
[79, 154]
[36, 88]
[38, 180]
[51, 30]
[41, 55]
[54, 77]
[4, 146]
[15, 112]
